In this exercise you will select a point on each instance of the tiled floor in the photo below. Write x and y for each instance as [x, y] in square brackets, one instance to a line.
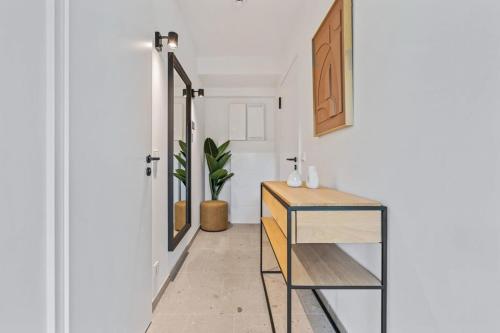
[219, 290]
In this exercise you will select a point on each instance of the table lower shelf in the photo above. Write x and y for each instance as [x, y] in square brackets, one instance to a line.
[318, 265]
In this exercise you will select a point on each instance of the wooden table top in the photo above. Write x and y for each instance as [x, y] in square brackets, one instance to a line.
[323, 196]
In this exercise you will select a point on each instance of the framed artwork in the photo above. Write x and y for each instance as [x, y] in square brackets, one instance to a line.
[332, 70]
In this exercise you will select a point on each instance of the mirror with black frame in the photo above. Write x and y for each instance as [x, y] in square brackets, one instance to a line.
[179, 152]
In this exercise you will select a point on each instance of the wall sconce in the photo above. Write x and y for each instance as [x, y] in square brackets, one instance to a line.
[200, 92]
[172, 40]
[194, 93]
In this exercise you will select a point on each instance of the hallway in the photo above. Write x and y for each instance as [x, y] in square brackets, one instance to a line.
[219, 289]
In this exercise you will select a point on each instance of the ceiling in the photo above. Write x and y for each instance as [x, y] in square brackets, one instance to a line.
[256, 28]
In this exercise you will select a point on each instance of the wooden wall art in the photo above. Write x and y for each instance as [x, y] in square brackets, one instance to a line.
[332, 70]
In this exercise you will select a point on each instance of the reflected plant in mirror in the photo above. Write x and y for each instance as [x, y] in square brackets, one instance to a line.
[214, 213]
[180, 174]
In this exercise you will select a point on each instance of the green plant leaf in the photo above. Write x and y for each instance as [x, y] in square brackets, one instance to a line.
[221, 181]
[181, 172]
[211, 162]
[183, 146]
[181, 176]
[221, 162]
[181, 160]
[220, 186]
[218, 174]
[221, 156]
[210, 147]
[222, 148]
[217, 158]
[217, 192]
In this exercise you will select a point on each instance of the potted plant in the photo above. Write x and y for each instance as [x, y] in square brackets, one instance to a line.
[180, 173]
[214, 213]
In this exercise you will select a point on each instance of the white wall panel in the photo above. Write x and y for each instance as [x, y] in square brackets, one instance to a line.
[250, 170]
[237, 115]
[256, 122]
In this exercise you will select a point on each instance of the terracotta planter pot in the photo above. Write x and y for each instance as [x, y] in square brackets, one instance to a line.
[180, 215]
[214, 215]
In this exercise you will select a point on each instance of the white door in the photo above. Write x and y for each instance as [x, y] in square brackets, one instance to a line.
[109, 138]
[286, 123]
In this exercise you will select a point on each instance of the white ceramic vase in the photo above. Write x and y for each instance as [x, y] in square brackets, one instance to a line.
[294, 179]
[312, 177]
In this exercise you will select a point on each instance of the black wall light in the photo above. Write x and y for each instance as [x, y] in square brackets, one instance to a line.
[199, 92]
[172, 40]
[194, 93]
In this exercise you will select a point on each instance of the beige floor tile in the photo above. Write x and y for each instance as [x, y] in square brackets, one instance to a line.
[305, 324]
[311, 323]
[242, 280]
[168, 323]
[210, 324]
[244, 323]
[303, 301]
[218, 241]
[194, 301]
[244, 261]
[249, 229]
[246, 301]
[219, 289]
[211, 280]
[208, 260]
[244, 242]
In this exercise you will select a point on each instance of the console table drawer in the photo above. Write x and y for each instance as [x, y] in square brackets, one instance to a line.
[339, 227]
[277, 210]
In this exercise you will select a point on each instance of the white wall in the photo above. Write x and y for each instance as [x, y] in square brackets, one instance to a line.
[252, 161]
[22, 166]
[425, 142]
[286, 122]
[167, 17]
[230, 72]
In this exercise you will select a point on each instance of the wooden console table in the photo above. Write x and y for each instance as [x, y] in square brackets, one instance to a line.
[304, 228]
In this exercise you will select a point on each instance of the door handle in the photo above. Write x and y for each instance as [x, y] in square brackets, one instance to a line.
[150, 158]
[292, 159]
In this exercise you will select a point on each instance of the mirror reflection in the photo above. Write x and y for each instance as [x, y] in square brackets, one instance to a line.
[179, 152]
[180, 155]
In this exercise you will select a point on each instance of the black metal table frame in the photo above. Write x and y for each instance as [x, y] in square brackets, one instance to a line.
[288, 278]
